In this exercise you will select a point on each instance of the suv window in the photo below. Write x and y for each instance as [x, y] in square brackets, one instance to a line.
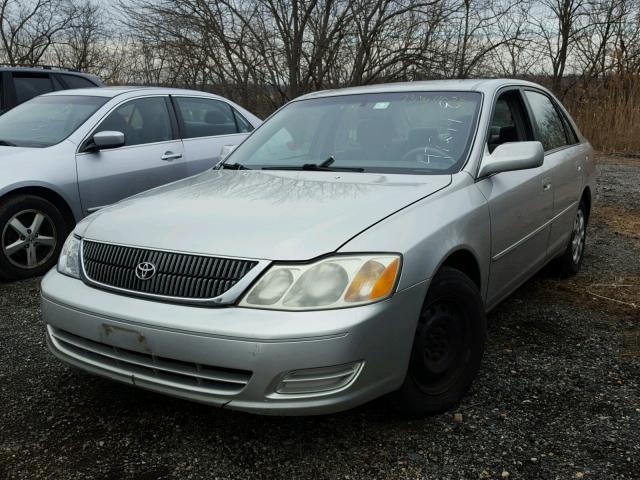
[28, 86]
[144, 120]
[550, 127]
[204, 117]
[74, 81]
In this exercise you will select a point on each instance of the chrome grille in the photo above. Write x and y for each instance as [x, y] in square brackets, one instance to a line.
[177, 275]
[168, 371]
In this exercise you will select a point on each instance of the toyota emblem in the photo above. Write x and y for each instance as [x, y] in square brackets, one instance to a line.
[145, 270]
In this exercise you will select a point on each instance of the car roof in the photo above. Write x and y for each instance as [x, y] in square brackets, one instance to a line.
[115, 91]
[469, 85]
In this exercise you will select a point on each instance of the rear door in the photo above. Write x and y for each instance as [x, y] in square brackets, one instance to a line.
[520, 203]
[152, 155]
[564, 156]
[206, 125]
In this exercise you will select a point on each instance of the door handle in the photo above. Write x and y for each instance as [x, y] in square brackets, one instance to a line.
[546, 186]
[170, 156]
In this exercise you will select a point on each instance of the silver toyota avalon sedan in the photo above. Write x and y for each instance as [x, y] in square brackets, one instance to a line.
[349, 248]
[66, 154]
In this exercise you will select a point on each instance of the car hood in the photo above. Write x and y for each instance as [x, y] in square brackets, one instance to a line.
[274, 215]
[9, 153]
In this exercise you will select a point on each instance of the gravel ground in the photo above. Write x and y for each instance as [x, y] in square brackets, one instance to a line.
[557, 396]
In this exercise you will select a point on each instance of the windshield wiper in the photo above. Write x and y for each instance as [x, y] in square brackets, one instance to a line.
[6, 143]
[233, 166]
[322, 167]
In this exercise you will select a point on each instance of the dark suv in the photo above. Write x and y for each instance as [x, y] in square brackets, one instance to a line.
[19, 84]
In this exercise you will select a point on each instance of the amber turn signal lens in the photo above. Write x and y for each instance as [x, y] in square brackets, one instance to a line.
[386, 282]
[373, 281]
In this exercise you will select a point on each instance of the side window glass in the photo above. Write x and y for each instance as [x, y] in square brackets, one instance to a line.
[74, 81]
[145, 120]
[203, 117]
[57, 84]
[29, 86]
[243, 124]
[503, 128]
[571, 134]
[550, 127]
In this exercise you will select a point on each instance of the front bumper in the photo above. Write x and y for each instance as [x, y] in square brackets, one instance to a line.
[232, 357]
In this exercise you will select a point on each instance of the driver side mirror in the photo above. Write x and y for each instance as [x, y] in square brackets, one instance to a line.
[108, 139]
[512, 156]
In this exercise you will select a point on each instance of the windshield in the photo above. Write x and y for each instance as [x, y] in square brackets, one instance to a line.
[409, 132]
[45, 121]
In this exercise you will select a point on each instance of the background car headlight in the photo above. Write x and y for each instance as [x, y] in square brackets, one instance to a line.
[334, 282]
[69, 261]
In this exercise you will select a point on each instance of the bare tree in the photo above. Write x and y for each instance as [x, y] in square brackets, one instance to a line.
[28, 28]
[559, 27]
[83, 44]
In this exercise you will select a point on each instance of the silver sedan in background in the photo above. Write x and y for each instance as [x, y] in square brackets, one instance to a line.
[66, 154]
[349, 248]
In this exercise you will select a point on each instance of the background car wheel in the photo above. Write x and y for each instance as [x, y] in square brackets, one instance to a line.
[569, 263]
[447, 348]
[32, 232]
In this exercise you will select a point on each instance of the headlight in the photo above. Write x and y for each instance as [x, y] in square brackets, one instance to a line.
[335, 282]
[69, 261]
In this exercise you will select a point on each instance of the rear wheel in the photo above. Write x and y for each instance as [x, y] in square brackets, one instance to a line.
[447, 347]
[32, 231]
[570, 262]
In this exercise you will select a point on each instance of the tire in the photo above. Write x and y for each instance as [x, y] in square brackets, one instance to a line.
[447, 348]
[570, 262]
[32, 232]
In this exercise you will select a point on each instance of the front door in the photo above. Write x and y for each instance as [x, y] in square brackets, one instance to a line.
[151, 156]
[520, 204]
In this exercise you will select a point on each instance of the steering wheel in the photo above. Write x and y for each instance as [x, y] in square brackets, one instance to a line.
[426, 152]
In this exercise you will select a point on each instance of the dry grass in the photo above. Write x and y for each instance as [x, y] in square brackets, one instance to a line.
[608, 114]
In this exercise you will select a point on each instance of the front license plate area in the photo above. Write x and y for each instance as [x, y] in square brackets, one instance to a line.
[125, 338]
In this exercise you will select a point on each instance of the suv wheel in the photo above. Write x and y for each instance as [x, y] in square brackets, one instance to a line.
[447, 347]
[32, 231]
[569, 263]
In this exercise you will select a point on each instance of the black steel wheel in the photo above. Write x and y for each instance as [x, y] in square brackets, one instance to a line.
[447, 347]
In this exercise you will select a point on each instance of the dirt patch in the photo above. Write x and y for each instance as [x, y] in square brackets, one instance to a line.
[614, 295]
[621, 220]
[630, 160]
[631, 344]
[626, 293]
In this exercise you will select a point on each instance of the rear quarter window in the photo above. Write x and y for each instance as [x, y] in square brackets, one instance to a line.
[550, 126]
[75, 81]
[28, 86]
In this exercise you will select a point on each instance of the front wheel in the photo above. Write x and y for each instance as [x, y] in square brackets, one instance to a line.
[447, 347]
[32, 231]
